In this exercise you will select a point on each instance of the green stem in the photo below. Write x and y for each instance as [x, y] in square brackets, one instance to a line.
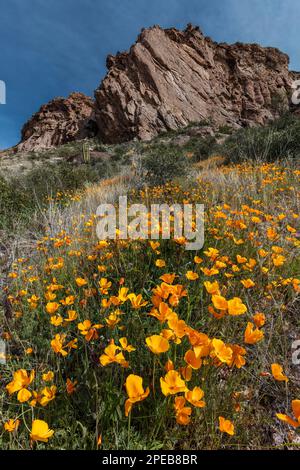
[153, 375]
[129, 429]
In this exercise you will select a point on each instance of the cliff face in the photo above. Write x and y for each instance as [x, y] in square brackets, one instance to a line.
[58, 122]
[170, 78]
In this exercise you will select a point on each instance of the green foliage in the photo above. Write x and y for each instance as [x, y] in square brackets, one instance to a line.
[20, 196]
[162, 167]
[205, 147]
[12, 200]
[279, 104]
[225, 129]
[279, 139]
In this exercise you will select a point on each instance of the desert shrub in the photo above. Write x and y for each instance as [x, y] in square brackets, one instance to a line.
[22, 195]
[225, 129]
[64, 176]
[279, 139]
[12, 201]
[205, 147]
[160, 168]
[279, 103]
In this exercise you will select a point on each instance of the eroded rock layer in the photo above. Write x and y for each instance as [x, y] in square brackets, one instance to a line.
[171, 78]
[168, 79]
[60, 121]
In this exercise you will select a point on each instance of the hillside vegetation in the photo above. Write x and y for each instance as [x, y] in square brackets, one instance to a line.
[130, 344]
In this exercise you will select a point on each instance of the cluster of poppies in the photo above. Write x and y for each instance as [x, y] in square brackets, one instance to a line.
[113, 305]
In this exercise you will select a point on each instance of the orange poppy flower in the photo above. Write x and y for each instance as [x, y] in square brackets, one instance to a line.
[135, 391]
[47, 395]
[57, 344]
[80, 282]
[225, 425]
[163, 313]
[104, 285]
[212, 253]
[137, 301]
[195, 397]
[125, 346]
[296, 412]
[186, 372]
[219, 302]
[179, 327]
[52, 307]
[40, 431]
[236, 307]
[248, 283]
[172, 383]
[252, 336]
[168, 278]
[21, 380]
[210, 272]
[259, 319]
[71, 386]
[212, 287]
[157, 344]
[277, 372]
[169, 365]
[11, 425]
[111, 355]
[182, 412]
[191, 276]
[88, 330]
[220, 351]
[192, 359]
[238, 353]
[160, 263]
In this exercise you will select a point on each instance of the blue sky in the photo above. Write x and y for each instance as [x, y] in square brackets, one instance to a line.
[50, 48]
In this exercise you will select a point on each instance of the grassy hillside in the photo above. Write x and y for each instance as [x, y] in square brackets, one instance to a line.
[142, 344]
[27, 180]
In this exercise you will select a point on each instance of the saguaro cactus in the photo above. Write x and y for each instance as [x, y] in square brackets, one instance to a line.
[86, 152]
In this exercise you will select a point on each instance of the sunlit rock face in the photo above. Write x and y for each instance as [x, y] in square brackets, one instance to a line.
[170, 78]
[60, 121]
[167, 80]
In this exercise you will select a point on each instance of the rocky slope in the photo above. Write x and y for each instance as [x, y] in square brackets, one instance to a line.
[168, 79]
[60, 121]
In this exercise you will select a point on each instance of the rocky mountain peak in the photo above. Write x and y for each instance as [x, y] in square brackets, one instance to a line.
[168, 79]
[58, 122]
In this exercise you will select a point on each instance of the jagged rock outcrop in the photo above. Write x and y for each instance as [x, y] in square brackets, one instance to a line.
[60, 121]
[170, 78]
